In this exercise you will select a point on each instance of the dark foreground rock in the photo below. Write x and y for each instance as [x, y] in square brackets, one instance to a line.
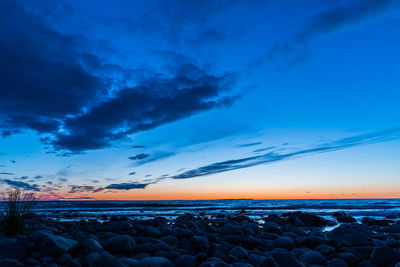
[293, 239]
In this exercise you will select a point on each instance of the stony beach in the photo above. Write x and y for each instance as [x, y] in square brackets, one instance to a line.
[292, 239]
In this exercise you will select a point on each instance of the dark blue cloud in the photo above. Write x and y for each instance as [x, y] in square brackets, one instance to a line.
[127, 186]
[6, 173]
[140, 156]
[275, 156]
[62, 85]
[21, 185]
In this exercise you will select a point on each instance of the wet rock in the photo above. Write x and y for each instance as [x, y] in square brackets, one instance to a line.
[156, 262]
[214, 262]
[313, 257]
[64, 259]
[371, 221]
[52, 245]
[350, 258]
[73, 263]
[352, 234]
[393, 228]
[169, 239]
[285, 258]
[256, 259]
[121, 244]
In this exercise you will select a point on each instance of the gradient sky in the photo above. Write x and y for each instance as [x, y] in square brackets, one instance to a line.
[199, 99]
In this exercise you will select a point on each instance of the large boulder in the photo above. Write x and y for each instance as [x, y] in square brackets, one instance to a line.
[121, 244]
[352, 234]
[50, 244]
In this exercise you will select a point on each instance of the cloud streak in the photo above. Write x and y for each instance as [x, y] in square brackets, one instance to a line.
[21, 185]
[274, 156]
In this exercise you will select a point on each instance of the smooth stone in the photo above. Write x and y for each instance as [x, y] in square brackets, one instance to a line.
[325, 249]
[239, 252]
[285, 258]
[130, 262]
[214, 262]
[268, 262]
[336, 262]
[200, 243]
[256, 259]
[313, 257]
[151, 231]
[353, 234]
[393, 228]
[90, 245]
[50, 244]
[64, 259]
[11, 248]
[96, 260]
[156, 262]
[285, 242]
[169, 239]
[73, 263]
[121, 244]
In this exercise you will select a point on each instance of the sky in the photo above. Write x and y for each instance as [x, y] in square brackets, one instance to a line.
[150, 100]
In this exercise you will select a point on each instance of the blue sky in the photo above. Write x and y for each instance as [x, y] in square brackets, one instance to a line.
[200, 99]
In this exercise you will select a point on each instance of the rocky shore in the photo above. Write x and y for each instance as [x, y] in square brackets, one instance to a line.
[292, 239]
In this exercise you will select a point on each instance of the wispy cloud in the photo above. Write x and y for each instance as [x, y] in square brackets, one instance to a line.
[324, 22]
[251, 144]
[275, 156]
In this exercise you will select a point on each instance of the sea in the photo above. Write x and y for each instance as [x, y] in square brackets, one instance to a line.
[255, 209]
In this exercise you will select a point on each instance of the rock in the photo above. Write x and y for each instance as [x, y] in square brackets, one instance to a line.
[239, 252]
[90, 245]
[121, 244]
[185, 261]
[350, 258]
[256, 259]
[346, 219]
[214, 262]
[12, 248]
[325, 249]
[169, 239]
[285, 258]
[130, 262]
[268, 262]
[120, 226]
[366, 263]
[314, 239]
[371, 221]
[336, 262]
[311, 220]
[96, 260]
[73, 263]
[285, 242]
[151, 231]
[156, 262]
[200, 243]
[352, 234]
[393, 228]
[52, 245]
[241, 264]
[10, 263]
[313, 257]
[382, 256]
[64, 259]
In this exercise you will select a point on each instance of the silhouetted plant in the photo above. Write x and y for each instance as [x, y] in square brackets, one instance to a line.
[17, 205]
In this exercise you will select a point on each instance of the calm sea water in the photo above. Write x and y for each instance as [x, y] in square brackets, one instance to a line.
[73, 210]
